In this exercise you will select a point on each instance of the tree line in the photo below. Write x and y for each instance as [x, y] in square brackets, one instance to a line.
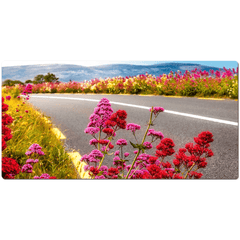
[40, 78]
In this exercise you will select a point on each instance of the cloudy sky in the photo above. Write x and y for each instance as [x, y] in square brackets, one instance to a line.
[220, 64]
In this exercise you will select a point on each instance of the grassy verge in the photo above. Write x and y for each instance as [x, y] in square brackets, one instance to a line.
[32, 128]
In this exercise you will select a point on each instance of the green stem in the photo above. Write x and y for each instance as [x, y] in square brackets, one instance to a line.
[105, 153]
[189, 170]
[99, 137]
[134, 172]
[149, 124]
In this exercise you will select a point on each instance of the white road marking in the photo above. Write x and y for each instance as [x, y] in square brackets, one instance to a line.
[144, 107]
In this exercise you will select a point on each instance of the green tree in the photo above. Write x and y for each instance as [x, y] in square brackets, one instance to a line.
[50, 77]
[38, 79]
[29, 81]
[18, 82]
[8, 82]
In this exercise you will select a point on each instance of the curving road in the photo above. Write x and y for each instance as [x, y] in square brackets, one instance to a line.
[183, 119]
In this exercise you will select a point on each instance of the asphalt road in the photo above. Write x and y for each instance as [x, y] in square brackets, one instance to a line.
[72, 116]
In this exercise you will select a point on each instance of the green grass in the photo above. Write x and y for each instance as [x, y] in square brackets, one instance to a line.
[32, 128]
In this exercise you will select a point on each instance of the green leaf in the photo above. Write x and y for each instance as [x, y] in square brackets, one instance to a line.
[100, 173]
[134, 145]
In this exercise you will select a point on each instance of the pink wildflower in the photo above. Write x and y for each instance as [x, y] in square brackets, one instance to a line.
[148, 145]
[91, 130]
[27, 168]
[121, 142]
[133, 127]
[157, 110]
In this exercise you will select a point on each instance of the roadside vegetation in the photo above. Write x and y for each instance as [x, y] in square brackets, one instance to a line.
[197, 83]
[29, 131]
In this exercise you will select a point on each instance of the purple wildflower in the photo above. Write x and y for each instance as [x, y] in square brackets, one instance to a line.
[117, 153]
[148, 145]
[28, 153]
[157, 110]
[92, 130]
[27, 168]
[116, 158]
[103, 168]
[45, 176]
[101, 114]
[30, 161]
[153, 133]
[133, 127]
[93, 142]
[121, 142]
[126, 154]
[96, 154]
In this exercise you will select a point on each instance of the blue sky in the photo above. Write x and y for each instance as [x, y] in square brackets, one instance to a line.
[220, 64]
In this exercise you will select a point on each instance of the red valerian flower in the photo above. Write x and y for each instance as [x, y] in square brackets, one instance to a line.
[5, 130]
[4, 107]
[94, 170]
[196, 175]
[177, 176]
[10, 167]
[109, 132]
[4, 145]
[165, 148]
[152, 160]
[112, 171]
[202, 164]
[176, 162]
[7, 137]
[209, 152]
[105, 142]
[122, 114]
[166, 165]
[204, 138]
[6, 119]
[153, 169]
[110, 123]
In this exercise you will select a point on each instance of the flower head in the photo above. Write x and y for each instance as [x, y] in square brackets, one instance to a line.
[121, 142]
[27, 168]
[133, 127]
[157, 110]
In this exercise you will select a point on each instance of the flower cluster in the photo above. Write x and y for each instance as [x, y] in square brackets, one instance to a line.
[145, 166]
[117, 120]
[6, 120]
[10, 168]
[100, 115]
[34, 148]
[27, 90]
[133, 127]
